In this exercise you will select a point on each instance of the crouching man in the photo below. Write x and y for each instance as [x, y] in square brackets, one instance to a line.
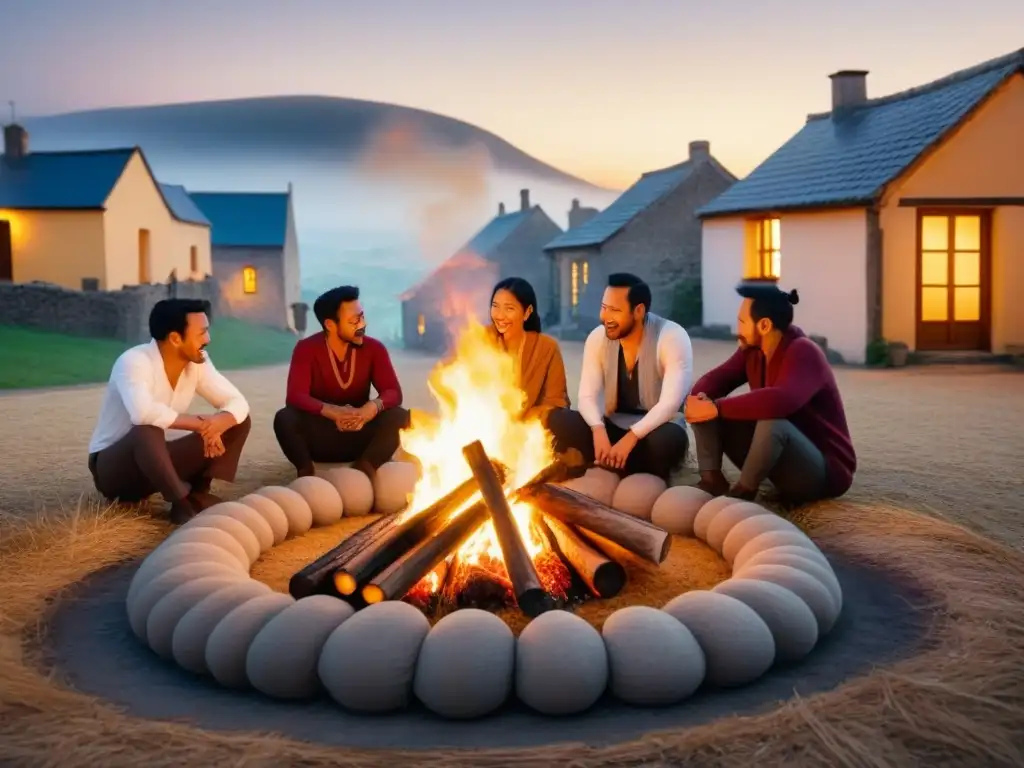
[150, 390]
[790, 428]
[637, 368]
[328, 414]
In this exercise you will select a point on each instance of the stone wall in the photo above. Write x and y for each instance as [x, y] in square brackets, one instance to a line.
[121, 315]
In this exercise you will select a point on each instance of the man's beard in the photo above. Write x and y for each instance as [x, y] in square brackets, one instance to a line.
[743, 343]
[355, 339]
[620, 331]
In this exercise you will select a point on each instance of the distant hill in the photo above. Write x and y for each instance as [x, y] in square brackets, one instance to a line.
[307, 127]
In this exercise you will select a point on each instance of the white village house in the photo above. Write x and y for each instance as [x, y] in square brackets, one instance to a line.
[899, 218]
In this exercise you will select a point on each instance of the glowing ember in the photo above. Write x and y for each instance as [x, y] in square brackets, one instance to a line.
[478, 399]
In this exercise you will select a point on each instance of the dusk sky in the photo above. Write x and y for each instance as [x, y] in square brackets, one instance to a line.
[603, 89]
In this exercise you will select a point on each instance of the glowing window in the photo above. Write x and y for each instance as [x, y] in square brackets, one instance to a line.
[768, 251]
[249, 279]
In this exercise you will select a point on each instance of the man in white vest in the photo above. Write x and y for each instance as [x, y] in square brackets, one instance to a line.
[637, 371]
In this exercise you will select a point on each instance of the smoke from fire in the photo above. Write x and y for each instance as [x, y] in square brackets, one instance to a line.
[454, 187]
[456, 183]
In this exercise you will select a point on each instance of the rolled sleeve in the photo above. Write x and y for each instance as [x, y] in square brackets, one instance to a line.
[215, 389]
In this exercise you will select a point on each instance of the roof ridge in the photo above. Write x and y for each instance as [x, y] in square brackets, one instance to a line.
[104, 151]
[943, 82]
[236, 194]
[666, 169]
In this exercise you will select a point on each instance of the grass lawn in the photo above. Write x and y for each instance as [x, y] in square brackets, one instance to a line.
[30, 358]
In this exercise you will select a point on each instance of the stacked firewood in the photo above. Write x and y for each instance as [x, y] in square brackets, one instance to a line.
[415, 556]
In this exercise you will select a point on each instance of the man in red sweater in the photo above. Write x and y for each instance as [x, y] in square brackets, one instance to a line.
[790, 428]
[328, 415]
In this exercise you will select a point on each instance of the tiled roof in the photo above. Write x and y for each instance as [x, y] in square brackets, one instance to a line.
[649, 189]
[61, 180]
[181, 205]
[245, 219]
[497, 231]
[848, 158]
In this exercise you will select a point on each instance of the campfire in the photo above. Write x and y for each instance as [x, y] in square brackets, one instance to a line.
[488, 524]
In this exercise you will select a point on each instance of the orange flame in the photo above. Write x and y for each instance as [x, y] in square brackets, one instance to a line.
[478, 398]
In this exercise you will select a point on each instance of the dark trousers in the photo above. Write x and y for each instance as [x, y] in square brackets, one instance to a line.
[306, 438]
[659, 453]
[144, 462]
[772, 450]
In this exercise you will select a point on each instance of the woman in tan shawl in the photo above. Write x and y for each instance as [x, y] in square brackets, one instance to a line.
[515, 327]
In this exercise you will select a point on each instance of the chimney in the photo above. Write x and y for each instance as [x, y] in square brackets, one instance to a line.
[501, 209]
[575, 203]
[849, 88]
[524, 198]
[15, 141]
[700, 150]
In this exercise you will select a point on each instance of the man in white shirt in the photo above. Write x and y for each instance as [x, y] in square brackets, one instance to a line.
[637, 370]
[151, 386]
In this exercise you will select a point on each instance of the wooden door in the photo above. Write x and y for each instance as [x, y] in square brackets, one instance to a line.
[954, 278]
[6, 251]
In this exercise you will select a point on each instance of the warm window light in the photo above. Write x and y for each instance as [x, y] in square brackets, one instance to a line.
[586, 272]
[15, 223]
[421, 325]
[249, 279]
[575, 284]
[950, 268]
[767, 251]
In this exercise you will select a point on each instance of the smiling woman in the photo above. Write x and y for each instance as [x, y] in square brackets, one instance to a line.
[537, 358]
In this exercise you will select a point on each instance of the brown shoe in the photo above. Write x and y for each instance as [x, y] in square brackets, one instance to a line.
[182, 511]
[713, 483]
[739, 492]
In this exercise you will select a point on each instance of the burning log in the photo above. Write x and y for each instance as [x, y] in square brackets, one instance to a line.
[530, 596]
[316, 578]
[407, 571]
[392, 542]
[603, 576]
[574, 508]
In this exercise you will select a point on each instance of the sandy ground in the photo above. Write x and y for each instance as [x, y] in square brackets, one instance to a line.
[941, 439]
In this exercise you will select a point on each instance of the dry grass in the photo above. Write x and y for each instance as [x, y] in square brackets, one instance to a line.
[960, 702]
[942, 442]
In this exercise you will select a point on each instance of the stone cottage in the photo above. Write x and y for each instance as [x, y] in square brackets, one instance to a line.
[94, 220]
[650, 230]
[900, 218]
[255, 254]
[511, 245]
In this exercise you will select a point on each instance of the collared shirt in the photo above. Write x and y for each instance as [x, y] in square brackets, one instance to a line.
[139, 393]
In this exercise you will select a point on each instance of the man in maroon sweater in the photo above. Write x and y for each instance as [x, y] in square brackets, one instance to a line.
[328, 415]
[790, 428]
